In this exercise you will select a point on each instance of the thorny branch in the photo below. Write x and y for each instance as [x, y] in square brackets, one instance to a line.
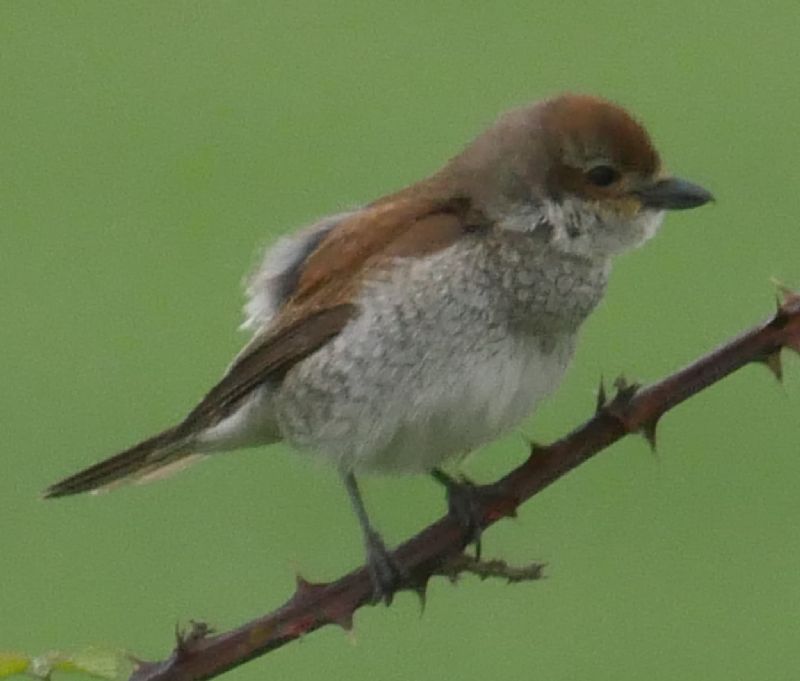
[439, 548]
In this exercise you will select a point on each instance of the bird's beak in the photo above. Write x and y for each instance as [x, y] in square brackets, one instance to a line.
[672, 193]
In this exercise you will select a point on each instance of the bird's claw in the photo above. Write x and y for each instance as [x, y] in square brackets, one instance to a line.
[386, 573]
[465, 503]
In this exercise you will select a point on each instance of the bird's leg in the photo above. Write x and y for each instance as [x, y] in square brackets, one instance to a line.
[464, 503]
[384, 570]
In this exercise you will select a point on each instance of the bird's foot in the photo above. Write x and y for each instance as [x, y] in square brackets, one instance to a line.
[386, 573]
[466, 503]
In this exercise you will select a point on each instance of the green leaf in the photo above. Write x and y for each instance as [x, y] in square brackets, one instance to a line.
[101, 663]
[13, 663]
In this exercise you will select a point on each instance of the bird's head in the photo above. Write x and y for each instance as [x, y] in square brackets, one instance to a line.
[582, 163]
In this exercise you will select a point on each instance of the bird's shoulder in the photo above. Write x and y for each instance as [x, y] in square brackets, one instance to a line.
[398, 227]
[326, 264]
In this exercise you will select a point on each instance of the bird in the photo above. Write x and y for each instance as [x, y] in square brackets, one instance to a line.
[395, 336]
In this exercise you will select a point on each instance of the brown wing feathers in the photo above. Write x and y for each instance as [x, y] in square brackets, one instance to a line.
[268, 361]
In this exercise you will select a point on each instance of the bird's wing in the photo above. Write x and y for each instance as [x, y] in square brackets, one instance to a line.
[316, 307]
[323, 299]
[267, 360]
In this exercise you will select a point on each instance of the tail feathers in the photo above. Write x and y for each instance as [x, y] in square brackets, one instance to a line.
[156, 457]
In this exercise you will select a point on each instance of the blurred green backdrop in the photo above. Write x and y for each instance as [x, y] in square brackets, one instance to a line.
[148, 150]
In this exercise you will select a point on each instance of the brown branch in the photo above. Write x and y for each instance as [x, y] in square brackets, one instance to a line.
[436, 549]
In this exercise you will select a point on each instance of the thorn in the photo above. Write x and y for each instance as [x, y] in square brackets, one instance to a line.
[512, 509]
[786, 297]
[625, 390]
[773, 362]
[782, 302]
[305, 590]
[536, 449]
[345, 621]
[500, 503]
[453, 566]
[421, 590]
[649, 433]
[302, 585]
[781, 316]
[454, 579]
[617, 408]
[602, 397]
[185, 640]
[786, 292]
[200, 629]
[503, 507]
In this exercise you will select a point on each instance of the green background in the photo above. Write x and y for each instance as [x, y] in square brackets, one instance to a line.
[148, 150]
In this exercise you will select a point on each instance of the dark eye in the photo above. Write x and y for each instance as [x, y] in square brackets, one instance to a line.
[602, 176]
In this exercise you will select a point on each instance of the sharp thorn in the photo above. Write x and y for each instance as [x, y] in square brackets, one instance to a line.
[781, 317]
[478, 548]
[453, 577]
[774, 365]
[421, 590]
[511, 511]
[625, 390]
[345, 621]
[536, 449]
[305, 589]
[649, 433]
[602, 397]
[785, 291]
[773, 362]
[179, 641]
[186, 638]
[199, 630]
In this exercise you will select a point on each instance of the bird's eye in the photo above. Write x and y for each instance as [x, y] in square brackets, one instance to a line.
[602, 176]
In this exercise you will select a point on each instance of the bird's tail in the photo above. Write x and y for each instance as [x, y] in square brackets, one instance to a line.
[152, 459]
